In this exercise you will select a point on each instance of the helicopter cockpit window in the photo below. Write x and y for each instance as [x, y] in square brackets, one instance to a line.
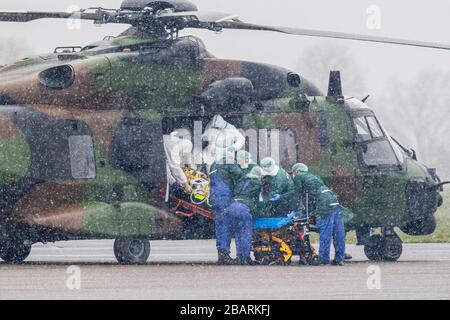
[362, 129]
[376, 148]
[375, 129]
[367, 129]
[82, 159]
[379, 153]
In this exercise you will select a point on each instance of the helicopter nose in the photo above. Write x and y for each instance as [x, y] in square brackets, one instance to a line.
[422, 197]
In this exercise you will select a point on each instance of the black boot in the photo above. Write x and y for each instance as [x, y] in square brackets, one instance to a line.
[318, 263]
[225, 258]
[245, 261]
[337, 263]
[348, 256]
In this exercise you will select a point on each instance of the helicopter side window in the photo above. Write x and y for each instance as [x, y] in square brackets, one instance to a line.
[82, 159]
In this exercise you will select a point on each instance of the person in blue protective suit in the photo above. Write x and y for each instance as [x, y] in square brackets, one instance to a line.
[230, 217]
[324, 203]
[245, 206]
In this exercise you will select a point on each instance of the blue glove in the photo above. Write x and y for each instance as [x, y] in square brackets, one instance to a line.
[275, 198]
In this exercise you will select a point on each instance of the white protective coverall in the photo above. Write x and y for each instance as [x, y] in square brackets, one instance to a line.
[178, 153]
[221, 137]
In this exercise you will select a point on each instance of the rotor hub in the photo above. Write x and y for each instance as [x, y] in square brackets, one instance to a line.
[156, 5]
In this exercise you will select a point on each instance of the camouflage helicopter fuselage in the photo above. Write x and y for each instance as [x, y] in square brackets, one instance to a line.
[81, 139]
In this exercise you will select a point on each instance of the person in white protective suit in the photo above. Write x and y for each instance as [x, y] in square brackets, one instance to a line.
[178, 153]
[221, 137]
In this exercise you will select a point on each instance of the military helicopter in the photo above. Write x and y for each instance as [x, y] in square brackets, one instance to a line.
[81, 134]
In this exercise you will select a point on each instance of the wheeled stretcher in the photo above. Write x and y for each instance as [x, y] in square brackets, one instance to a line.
[276, 240]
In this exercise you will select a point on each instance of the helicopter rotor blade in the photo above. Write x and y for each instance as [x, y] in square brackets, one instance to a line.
[30, 16]
[239, 25]
[201, 20]
[27, 16]
[199, 16]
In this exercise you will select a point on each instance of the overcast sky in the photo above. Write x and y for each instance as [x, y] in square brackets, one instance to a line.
[381, 63]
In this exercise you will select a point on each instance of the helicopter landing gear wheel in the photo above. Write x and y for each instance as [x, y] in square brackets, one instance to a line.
[129, 251]
[393, 248]
[14, 250]
[374, 247]
[384, 247]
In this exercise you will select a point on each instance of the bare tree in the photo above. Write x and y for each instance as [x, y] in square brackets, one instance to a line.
[317, 61]
[418, 114]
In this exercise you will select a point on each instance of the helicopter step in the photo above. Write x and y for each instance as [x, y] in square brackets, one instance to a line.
[386, 246]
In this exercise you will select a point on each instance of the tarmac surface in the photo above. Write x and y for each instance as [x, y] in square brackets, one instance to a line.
[186, 270]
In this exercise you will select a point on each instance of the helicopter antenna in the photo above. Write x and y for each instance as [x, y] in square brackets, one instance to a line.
[441, 184]
[366, 98]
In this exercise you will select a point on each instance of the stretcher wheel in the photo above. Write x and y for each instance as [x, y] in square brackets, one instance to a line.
[261, 258]
[267, 260]
[313, 260]
[271, 256]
